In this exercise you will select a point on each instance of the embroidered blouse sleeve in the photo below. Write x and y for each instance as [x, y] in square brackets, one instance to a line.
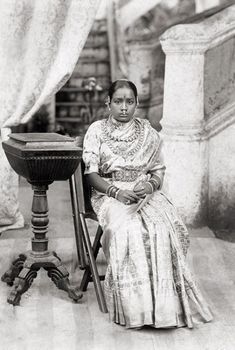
[91, 148]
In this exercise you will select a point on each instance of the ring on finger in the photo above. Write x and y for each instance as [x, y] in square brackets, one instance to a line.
[128, 202]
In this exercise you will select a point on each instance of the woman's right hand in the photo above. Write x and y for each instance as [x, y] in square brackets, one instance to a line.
[127, 197]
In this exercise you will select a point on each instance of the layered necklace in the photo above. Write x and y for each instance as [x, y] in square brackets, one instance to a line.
[124, 146]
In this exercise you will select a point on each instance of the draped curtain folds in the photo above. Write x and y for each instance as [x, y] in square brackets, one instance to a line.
[40, 42]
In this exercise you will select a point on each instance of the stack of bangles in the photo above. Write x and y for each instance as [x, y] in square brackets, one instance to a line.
[112, 191]
[154, 184]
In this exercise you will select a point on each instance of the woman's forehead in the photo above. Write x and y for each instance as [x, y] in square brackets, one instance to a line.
[124, 92]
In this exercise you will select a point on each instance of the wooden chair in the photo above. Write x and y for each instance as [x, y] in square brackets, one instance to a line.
[80, 191]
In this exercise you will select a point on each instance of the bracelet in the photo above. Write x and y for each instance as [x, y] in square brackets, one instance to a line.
[155, 183]
[116, 194]
[112, 191]
[108, 190]
[157, 180]
[151, 185]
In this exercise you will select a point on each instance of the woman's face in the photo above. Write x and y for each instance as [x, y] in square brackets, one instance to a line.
[123, 104]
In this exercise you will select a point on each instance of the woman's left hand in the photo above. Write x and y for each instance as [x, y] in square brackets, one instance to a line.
[143, 189]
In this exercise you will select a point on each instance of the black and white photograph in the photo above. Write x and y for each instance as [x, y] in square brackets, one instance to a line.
[117, 174]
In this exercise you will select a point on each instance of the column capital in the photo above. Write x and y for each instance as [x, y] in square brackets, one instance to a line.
[197, 38]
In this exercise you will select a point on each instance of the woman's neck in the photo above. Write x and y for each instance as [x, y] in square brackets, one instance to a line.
[119, 124]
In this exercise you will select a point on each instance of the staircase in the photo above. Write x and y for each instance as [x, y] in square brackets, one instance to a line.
[82, 100]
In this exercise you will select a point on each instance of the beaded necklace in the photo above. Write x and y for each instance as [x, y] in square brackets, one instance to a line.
[120, 145]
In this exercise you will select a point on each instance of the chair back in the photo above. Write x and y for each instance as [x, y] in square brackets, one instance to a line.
[83, 190]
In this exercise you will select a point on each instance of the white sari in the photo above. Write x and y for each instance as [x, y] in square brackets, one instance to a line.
[147, 281]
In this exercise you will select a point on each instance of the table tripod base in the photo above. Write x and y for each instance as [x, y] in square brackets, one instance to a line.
[24, 269]
[16, 266]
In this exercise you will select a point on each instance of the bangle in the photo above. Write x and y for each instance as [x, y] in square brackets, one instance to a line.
[151, 185]
[107, 189]
[111, 191]
[155, 183]
[116, 194]
[157, 179]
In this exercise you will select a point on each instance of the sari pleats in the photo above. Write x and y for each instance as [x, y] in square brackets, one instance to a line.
[148, 281]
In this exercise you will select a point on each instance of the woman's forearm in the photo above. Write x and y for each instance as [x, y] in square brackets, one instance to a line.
[98, 182]
[125, 196]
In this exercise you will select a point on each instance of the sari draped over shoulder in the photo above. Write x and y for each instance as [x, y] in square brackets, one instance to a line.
[148, 281]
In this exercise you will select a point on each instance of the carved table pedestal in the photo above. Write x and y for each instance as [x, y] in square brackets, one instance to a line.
[41, 158]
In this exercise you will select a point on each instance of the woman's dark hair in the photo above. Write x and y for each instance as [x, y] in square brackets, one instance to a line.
[119, 84]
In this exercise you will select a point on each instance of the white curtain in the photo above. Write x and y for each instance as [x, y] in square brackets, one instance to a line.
[40, 42]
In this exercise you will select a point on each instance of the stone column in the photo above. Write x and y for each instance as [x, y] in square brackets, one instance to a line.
[183, 115]
[186, 131]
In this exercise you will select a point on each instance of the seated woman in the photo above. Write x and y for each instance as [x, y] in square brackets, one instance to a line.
[145, 242]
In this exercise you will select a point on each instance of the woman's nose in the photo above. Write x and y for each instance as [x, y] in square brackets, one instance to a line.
[123, 106]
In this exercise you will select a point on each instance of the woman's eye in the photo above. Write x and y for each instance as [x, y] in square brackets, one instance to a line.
[118, 102]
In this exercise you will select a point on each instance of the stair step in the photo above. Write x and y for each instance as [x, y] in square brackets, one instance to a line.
[72, 102]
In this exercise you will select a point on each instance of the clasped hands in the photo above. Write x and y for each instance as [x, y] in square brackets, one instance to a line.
[139, 192]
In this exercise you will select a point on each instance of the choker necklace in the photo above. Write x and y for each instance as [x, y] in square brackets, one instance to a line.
[110, 127]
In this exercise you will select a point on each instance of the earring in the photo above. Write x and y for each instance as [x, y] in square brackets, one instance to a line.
[107, 102]
[137, 101]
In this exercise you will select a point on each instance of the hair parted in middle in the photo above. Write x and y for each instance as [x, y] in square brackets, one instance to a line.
[119, 84]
